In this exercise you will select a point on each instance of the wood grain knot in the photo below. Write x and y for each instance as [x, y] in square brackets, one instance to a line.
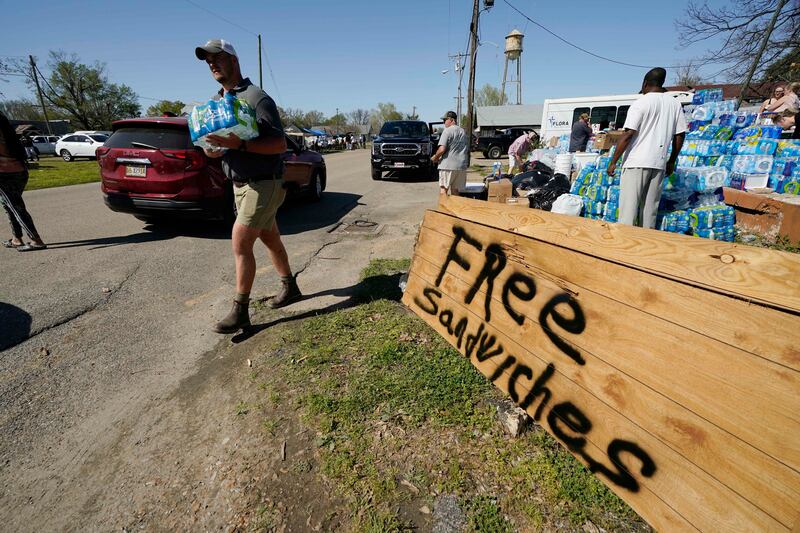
[727, 259]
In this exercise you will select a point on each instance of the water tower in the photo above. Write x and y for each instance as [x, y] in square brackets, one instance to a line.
[513, 53]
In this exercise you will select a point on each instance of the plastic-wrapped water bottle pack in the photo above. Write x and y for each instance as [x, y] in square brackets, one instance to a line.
[221, 117]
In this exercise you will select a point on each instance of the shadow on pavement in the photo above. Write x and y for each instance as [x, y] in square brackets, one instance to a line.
[167, 230]
[381, 287]
[409, 176]
[15, 325]
[297, 216]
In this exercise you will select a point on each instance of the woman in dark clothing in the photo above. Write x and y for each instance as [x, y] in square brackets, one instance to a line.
[788, 120]
[13, 178]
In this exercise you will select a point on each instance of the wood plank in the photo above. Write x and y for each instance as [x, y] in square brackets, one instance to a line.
[754, 399]
[768, 484]
[677, 496]
[761, 330]
[766, 276]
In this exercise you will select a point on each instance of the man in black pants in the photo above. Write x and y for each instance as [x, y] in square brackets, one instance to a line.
[13, 178]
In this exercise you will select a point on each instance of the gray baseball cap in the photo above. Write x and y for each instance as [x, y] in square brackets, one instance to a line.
[450, 114]
[215, 46]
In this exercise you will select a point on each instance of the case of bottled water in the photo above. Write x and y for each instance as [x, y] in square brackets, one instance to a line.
[221, 117]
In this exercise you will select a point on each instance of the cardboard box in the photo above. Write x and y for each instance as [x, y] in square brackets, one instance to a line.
[601, 142]
[500, 190]
[770, 214]
[604, 141]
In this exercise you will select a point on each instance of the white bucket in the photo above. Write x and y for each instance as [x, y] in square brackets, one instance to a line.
[563, 164]
[581, 158]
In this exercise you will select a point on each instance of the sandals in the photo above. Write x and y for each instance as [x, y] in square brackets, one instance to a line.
[30, 247]
[10, 244]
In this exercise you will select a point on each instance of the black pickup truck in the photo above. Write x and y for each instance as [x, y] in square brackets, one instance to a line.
[495, 146]
[404, 144]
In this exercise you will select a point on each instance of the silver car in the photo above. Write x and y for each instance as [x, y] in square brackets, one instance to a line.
[45, 144]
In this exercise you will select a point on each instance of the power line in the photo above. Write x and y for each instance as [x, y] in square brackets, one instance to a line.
[272, 76]
[254, 34]
[592, 53]
[222, 18]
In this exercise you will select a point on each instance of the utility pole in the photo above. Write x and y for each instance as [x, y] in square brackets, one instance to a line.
[414, 113]
[39, 90]
[473, 51]
[761, 48]
[260, 75]
[459, 68]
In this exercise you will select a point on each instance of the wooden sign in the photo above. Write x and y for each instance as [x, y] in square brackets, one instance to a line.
[668, 365]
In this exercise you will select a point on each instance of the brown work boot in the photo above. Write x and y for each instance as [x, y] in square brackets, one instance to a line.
[288, 294]
[238, 318]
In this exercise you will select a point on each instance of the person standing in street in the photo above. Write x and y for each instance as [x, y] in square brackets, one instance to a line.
[518, 149]
[654, 122]
[452, 156]
[581, 132]
[256, 169]
[13, 179]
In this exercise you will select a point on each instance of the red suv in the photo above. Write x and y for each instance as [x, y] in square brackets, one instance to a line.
[150, 169]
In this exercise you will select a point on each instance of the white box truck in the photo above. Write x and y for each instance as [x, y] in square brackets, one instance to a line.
[559, 114]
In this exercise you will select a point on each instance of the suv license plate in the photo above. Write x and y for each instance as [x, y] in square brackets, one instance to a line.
[399, 164]
[136, 171]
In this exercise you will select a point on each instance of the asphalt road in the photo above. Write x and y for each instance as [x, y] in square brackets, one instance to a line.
[115, 315]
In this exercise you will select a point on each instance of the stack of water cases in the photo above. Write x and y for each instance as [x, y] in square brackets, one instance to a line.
[598, 190]
[723, 149]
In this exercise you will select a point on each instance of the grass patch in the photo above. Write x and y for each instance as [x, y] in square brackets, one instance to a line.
[381, 280]
[485, 515]
[780, 243]
[393, 404]
[55, 172]
[242, 408]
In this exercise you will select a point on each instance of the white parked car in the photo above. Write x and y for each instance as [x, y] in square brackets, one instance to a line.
[79, 145]
[45, 144]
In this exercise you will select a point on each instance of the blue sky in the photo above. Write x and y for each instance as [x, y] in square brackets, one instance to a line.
[347, 54]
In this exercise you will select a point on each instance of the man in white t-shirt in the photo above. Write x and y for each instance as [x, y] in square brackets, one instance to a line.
[654, 122]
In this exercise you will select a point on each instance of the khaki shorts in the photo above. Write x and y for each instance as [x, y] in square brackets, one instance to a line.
[453, 180]
[258, 202]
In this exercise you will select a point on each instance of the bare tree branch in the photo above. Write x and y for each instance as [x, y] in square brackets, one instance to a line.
[740, 27]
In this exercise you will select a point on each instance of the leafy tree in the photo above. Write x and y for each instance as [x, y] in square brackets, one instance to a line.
[787, 68]
[336, 120]
[358, 116]
[385, 111]
[22, 109]
[739, 29]
[290, 115]
[490, 96]
[84, 94]
[165, 106]
[313, 118]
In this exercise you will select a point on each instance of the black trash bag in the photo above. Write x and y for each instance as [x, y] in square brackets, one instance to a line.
[537, 165]
[532, 179]
[542, 197]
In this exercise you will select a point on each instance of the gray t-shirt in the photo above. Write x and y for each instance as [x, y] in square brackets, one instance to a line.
[244, 166]
[455, 156]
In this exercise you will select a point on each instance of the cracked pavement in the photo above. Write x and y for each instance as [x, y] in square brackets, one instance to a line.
[99, 330]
